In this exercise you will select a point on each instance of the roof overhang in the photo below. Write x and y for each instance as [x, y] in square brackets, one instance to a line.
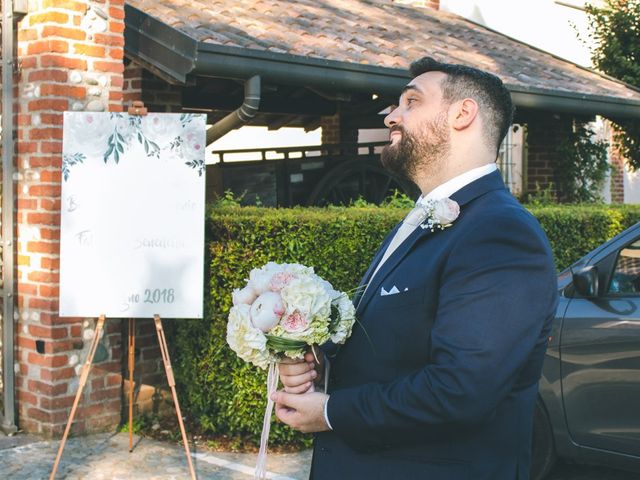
[177, 57]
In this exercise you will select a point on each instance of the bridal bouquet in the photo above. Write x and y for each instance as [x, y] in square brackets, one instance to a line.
[282, 311]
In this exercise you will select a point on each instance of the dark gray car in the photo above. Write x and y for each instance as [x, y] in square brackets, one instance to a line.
[588, 408]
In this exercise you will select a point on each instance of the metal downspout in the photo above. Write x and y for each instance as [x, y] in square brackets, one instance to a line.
[242, 115]
[8, 415]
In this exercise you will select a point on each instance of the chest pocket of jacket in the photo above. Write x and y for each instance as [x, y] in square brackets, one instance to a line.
[400, 300]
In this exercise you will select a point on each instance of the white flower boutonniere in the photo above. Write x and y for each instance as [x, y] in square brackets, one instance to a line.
[440, 214]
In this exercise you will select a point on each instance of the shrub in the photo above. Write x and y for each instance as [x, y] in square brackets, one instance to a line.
[225, 395]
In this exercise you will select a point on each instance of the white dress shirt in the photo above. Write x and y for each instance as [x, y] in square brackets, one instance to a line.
[442, 191]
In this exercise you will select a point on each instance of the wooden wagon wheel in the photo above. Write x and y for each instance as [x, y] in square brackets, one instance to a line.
[358, 179]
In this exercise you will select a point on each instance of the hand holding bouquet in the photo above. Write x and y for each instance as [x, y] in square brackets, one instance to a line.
[282, 311]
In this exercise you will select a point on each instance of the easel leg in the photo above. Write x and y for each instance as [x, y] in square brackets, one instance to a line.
[86, 368]
[172, 384]
[132, 349]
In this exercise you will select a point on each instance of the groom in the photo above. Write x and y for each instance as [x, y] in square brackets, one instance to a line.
[440, 376]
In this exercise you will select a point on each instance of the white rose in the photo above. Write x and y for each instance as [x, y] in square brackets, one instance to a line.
[446, 211]
[308, 296]
[347, 313]
[246, 295]
[266, 311]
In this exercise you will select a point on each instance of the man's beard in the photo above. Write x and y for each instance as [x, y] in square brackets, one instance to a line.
[413, 152]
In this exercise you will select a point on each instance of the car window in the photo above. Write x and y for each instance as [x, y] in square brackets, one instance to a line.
[626, 275]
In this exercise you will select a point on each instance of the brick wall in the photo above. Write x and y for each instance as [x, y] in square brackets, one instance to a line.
[617, 173]
[70, 58]
[333, 131]
[545, 131]
[157, 94]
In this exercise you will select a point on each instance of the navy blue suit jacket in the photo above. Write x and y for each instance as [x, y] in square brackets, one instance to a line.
[439, 381]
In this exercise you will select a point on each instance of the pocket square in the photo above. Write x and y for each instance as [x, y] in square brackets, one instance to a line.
[393, 291]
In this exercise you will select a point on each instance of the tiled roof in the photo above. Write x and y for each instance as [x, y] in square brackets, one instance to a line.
[379, 33]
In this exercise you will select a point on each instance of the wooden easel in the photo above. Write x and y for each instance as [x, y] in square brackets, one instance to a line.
[84, 375]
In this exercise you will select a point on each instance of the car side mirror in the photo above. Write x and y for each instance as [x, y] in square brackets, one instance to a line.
[585, 282]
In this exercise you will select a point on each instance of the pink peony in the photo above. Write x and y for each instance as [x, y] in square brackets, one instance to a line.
[246, 295]
[294, 322]
[266, 311]
[280, 280]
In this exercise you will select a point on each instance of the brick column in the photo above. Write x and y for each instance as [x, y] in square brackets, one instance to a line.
[545, 132]
[70, 58]
[617, 173]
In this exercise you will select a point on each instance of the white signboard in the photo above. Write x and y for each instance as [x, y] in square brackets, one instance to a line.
[132, 231]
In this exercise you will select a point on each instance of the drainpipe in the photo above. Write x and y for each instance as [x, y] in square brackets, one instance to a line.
[8, 415]
[242, 115]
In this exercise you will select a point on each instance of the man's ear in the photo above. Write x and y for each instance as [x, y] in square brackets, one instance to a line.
[464, 113]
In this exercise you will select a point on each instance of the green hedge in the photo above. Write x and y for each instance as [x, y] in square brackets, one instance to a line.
[224, 395]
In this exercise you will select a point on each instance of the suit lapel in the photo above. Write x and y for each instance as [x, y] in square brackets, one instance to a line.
[492, 181]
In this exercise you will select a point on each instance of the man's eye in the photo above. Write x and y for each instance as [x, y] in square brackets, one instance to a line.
[411, 100]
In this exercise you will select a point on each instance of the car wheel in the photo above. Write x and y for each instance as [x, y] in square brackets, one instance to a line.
[543, 454]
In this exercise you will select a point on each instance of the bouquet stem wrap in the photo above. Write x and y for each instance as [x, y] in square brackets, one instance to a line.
[272, 386]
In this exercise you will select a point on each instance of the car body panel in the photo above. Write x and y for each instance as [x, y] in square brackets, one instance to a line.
[590, 384]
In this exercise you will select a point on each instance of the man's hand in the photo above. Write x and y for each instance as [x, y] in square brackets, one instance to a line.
[302, 412]
[298, 376]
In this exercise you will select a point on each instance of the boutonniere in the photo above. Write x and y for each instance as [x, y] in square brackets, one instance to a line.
[440, 214]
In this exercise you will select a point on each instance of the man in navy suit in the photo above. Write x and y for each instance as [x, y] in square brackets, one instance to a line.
[440, 377]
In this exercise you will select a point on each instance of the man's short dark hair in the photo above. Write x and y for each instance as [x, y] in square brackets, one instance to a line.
[485, 88]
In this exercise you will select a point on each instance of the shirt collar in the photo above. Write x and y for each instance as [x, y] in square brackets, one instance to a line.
[456, 183]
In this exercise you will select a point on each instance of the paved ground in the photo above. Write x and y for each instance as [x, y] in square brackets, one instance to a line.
[106, 457]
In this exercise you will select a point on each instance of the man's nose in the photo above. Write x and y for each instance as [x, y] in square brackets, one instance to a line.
[392, 118]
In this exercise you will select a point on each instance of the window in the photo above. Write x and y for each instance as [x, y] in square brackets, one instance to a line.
[626, 276]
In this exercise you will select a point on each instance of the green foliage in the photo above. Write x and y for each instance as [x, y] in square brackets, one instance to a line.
[227, 397]
[582, 166]
[542, 196]
[615, 30]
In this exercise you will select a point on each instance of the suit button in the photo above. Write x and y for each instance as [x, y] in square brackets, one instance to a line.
[324, 450]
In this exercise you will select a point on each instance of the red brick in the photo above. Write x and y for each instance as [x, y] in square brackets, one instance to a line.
[27, 203]
[50, 263]
[57, 403]
[45, 133]
[49, 204]
[47, 161]
[59, 90]
[47, 389]
[105, 394]
[51, 147]
[43, 219]
[48, 104]
[48, 17]
[51, 75]
[41, 303]
[50, 233]
[51, 118]
[27, 147]
[117, 13]
[43, 247]
[27, 288]
[116, 53]
[48, 417]
[28, 62]
[47, 46]
[27, 34]
[25, 397]
[97, 383]
[62, 61]
[116, 27]
[116, 81]
[46, 190]
[103, 39]
[89, 50]
[65, 4]
[49, 291]
[48, 332]
[54, 31]
[115, 95]
[44, 360]
[44, 277]
[116, 67]
[26, 343]
[114, 380]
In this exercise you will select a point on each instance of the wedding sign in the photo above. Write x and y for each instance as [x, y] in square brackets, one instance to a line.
[132, 227]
